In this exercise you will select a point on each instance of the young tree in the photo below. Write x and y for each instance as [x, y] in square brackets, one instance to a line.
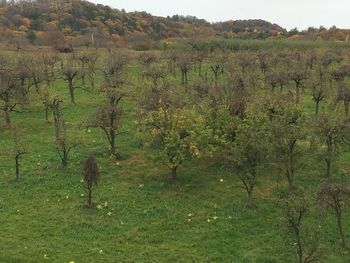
[330, 129]
[298, 74]
[108, 117]
[175, 135]
[70, 73]
[306, 242]
[11, 93]
[64, 145]
[91, 176]
[287, 127]
[250, 149]
[335, 197]
[185, 62]
[17, 152]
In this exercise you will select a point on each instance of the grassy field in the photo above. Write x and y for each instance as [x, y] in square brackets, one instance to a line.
[140, 215]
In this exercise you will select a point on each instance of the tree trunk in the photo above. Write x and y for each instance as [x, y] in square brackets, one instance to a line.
[112, 143]
[346, 107]
[7, 118]
[89, 201]
[17, 167]
[250, 197]
[317, 107]
[328, 163]
[340, 227]
[174, 173]
[297, 95]
[290, 172]
[47, 113]
[71, 91]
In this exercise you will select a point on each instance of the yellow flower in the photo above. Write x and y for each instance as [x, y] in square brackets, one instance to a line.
[208, 220]
[215, 217]
[190, 214]
[99, 207]
[71, 261]
[221, 180]
[101, 251]
[109, 213]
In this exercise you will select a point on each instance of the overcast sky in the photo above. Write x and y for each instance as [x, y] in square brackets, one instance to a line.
[286, 13]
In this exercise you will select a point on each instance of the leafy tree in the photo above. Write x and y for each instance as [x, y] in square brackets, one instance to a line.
[250, 149]
[175, 135]
[287, 127]
[330, 129]
[91, 177]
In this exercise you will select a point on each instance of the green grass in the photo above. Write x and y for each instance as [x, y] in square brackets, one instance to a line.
[43, 214]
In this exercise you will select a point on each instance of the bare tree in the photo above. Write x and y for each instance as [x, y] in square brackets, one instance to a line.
[91, 176]
[17, 151]
[11, 93]
[70, 73]
[305, 242]
[335, 197]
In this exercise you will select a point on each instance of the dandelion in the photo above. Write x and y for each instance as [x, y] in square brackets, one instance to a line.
[101, 251]
[117, 163]
[67, 197]
[190, 214]
[221, 180]
[71, 261]
[17, 210]
[99, 207]
[89, 131]
[215, 217]
[109, 213]
[106, 204]
[45, 256]
[189, 220]
[141, 185]
[208, 220]
[82, 195]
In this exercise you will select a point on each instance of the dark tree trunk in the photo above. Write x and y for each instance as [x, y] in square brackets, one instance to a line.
[328, 165]
[340, 227]
[71, 91]
[174, 173]
[317, 108]
[7, 117]
[290, 172]
[89, 200]
[17, 167]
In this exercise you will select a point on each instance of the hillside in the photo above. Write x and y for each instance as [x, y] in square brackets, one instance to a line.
[52, 23]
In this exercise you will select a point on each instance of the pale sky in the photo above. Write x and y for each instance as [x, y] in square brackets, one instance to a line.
[286, 13]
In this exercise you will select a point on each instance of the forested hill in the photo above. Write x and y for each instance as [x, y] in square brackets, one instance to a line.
[45, 22]
[59, 22]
